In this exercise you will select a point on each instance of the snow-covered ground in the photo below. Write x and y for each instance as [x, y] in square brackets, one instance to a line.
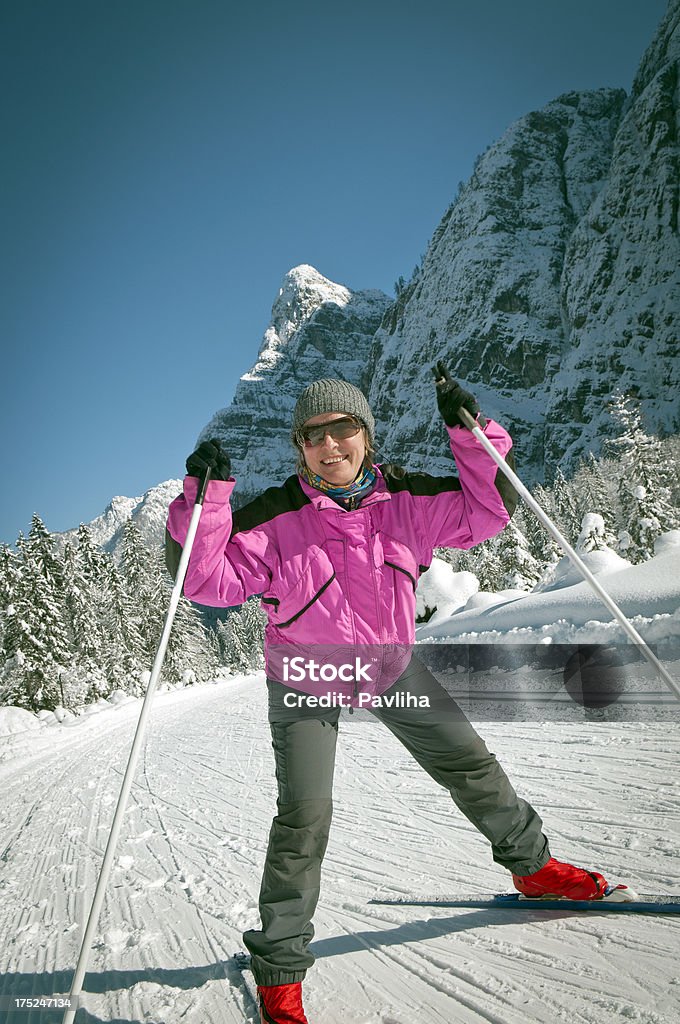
[188, 865]
[188, 869]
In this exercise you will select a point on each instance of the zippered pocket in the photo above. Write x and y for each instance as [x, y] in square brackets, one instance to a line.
[292, 619]
[314, 607]
[399, 568]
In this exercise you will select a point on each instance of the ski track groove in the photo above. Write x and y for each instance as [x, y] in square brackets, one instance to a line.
[432, 980]
[453, 992]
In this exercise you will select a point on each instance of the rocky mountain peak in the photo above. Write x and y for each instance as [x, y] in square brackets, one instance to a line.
[303, 290]
[620, 284]
[552, 280]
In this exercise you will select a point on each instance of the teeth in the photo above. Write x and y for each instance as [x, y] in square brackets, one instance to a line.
[330, 462]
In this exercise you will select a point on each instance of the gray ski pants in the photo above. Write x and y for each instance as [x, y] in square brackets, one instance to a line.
[442, 741]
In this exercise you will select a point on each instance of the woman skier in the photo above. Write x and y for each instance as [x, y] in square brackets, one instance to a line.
[335, 553]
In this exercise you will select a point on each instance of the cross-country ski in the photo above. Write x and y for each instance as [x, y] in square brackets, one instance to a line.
[644, 904]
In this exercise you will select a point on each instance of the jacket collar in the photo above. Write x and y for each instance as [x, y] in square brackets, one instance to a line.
[321, 500]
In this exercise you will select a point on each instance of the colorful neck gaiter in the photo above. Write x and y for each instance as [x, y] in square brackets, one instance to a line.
[350, 495]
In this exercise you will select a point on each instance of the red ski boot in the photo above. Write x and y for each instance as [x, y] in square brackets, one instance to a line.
[559, 879]
[281, 1004]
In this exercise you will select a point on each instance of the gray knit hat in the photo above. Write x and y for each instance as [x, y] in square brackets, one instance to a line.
[332, 396]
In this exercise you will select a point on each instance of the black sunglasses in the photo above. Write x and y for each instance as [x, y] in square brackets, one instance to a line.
[311, 437]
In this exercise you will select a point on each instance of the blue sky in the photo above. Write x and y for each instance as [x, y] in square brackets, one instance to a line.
[167, 161]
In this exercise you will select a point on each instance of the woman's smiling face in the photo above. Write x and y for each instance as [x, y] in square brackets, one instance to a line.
[336, 460]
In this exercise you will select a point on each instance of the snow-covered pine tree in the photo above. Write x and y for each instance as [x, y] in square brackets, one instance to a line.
[42, 552]
[645, 482]
[496, 562]
[459, 560]
[670, 455]
[6, 574]
[191, 656]
[37, 637]
[85, 583]
[486, 565]
[254, 621]
[646, 522]
[215, 650]
[593, 535]
[519, 569]
[124, 646]
[595, 490]
[241, 638]
[565, 510]
[10, 632]
[542, 547]
[230, 639]
[145, 600]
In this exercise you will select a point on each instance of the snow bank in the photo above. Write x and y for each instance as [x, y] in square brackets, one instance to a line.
[566, 610]
[120, 697]
[565, 574]
[488, 599]
[14, 720]
[666, 541]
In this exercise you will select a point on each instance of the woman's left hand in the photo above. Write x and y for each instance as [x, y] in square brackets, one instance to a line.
[451, 397]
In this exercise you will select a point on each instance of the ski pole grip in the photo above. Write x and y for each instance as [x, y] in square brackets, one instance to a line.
[204, 486]
[468, 420]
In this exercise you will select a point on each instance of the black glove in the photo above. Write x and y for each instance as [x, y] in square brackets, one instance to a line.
[451, 397]
[209, 454]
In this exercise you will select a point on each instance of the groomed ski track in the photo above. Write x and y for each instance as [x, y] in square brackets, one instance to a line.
[189, 861]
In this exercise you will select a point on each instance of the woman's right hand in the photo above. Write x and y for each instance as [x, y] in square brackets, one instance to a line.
[209, 454]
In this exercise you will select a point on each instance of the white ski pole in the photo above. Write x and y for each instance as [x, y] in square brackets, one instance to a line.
[81, 967]
[547, 522]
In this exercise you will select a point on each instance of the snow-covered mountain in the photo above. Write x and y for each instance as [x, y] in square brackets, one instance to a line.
[620, 290]
[487, 300]
[317, 328]
[552, 280]
[148, 513]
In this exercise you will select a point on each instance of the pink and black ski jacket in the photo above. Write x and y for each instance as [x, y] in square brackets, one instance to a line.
[328, 576]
